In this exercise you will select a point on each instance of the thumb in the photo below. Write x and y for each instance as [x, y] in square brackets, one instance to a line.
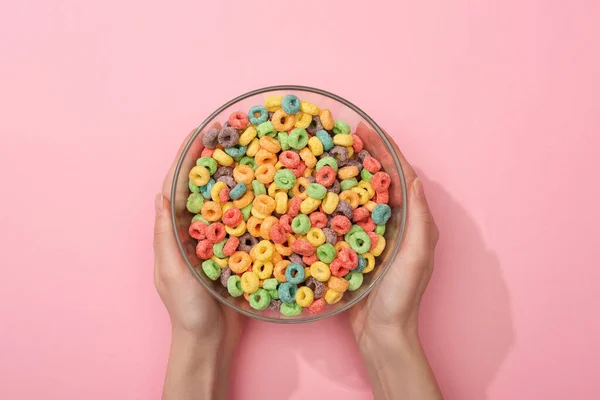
[164, 239]
[422, 233]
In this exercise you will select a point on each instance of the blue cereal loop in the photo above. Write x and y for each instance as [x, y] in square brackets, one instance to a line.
[381, 214]
[324, 137]
[262, 117]
[290, 104]
[205, 190]
[362, 264]
[287, 292]
[294, 274]
[238, 191]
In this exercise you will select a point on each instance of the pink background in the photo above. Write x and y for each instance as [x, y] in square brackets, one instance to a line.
[494, 102]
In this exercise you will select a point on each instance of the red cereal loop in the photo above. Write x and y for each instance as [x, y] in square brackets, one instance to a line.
[381, 181]
[337, 268]
[317, 306]
[198, 230]
[303, 248]
[358, 144]
[374, 238]
[382, 197]
[309, 260]
[360, 213]
[278, 234]
[215, 232]
[238, 120]
[294, 206]
[371, 164]
[224, 195]
[204, 249]
[289, 159]
[340, 224]
[232, 217]
[326, 176]
[231, 246]
[206, 152]
[349, 257]
[318, 220]
[286, 222]
[367, 224]
[298, 170]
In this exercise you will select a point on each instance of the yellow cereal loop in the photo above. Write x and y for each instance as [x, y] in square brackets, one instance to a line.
[299, 189]
[264, 269]
[243, 201]
[238, 230]
[331, 296]
[315, 146]
[249, 282]
[273, 103]
[278, 165]
[347, 172]
[378, 249]
[216, 189]
[343, 140]
[304, 296]
[274, 189]
[350, 150]
[243, 173]
[226, 206]
[281, 203]
[303, 120]
[370, 263]
[330, 202]
[308, 157]
[315, 236]
[221, 262]
[320, 271]
[363, 195]
[370, 205]
[349, 197]
[253, 148]
[308, 172]
[199, 175]
[247, 136]
[368, 187]
[222, 158]
[264, 250]
[341, 245]
[309, 108]
[306, 273]
[309, 205]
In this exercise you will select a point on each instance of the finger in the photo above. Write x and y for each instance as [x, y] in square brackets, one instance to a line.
[165, 245]
[190, 157]
[421, 234]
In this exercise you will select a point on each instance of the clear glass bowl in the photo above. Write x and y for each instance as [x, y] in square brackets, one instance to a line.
[376, 142]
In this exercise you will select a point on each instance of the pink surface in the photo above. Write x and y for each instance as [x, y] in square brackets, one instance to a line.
[495, 103]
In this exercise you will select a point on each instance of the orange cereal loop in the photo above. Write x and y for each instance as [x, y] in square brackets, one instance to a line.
[286, 250]
[348, 172]
[267, 223]
[265, 157]
[253, 254]
[253, 226]
[244, 200]
[243, 173]
[264, 204]
[276, 257]
[326, 119]
[337, 284]
[239, 262]
[247, 296]
[308, 172]
[279, 270]
[299, 189]
[265, 173]
[211, 211]
[308, 157]
[269, 144]
[255, 213]
[341, 245]
[282, 121]
[350, 197]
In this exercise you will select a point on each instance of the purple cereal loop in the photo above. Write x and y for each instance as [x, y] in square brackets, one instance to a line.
[340, 154]
[345, 209]
[355, 163]
[274, 304]
[296, 258]
[210, 140]
[229, 181]
[325, 154]
[317, 287]
[315, 125]
[330, 235]
[228, 137]
[247, 242]
[271, 115]
[223, 171]
[361, 155]
[225, 274]
[226, 124]
[311, 179]
[335, 188]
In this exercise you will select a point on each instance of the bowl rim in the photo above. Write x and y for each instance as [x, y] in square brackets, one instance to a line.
[392, 150]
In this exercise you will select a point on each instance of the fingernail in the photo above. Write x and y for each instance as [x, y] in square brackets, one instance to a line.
[418, 187]
[158, 203]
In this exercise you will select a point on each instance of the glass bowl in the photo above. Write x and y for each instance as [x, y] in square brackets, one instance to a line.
[376, 142]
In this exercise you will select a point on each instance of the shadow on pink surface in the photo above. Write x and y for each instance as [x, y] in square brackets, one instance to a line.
[466, 322]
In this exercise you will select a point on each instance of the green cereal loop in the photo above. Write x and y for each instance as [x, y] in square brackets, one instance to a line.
[199, 217]
[348, 183]
[290, 309]
[218, 249]
[266, 129]
[298, 138]
[301, 224]
[316, 191]
[360, 242]
[249, 161]
[260, 299]
[326, 253]
[282, 137]
[209, 163]
[353, 229]
[194, 203]
[341, 127]
[193, 187]
[285, 179]
[274, 293]
[211, 269]
[246, 212]
[258, 188]
[270, 284]
[365, 175]
[355, 280]
[234, 286]
[330, 161]
[380, 229]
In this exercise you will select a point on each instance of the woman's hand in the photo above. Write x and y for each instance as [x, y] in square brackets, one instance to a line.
[385, 325]
[204, 332]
